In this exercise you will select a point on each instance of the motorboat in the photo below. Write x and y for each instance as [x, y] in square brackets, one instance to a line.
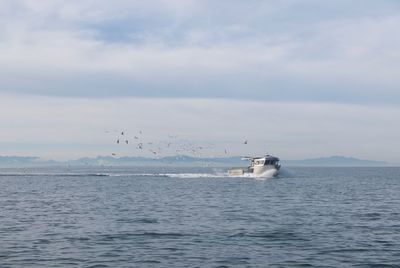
[258, 166]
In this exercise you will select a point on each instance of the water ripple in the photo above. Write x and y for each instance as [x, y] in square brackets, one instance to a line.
[105, 217]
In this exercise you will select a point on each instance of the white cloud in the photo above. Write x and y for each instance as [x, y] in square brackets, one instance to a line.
[306, 63]
[68, 128]
[46, 46]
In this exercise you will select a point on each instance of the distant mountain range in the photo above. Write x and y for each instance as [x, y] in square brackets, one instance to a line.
[22, 160]
[168, 160]
[16, 161]
[341, 161]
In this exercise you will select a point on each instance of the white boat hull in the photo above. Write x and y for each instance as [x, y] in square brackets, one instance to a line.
[256, 171]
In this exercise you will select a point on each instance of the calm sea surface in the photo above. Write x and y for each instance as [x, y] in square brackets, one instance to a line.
[190, 217]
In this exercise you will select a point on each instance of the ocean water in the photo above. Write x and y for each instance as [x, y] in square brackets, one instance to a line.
[199, 217]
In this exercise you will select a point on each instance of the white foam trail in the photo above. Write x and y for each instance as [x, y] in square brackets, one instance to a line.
[268, 174]
[216, 174]
[194, 175]
[53, 174]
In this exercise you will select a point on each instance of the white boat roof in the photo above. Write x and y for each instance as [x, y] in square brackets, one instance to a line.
[266, 157]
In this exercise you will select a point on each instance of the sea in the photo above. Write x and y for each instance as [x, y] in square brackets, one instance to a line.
[199, 217]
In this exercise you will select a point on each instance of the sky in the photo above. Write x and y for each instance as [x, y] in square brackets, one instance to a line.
[296, 78]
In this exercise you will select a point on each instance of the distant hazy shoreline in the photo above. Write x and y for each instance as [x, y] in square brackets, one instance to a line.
[182, 160]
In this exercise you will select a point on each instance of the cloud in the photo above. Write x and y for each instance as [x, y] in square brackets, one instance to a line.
[262, 50]
[299, 78]
[73, 127]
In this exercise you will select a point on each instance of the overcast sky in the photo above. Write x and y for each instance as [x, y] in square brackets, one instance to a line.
[297, 78]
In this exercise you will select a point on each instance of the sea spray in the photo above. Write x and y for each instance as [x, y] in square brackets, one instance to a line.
[286, 173]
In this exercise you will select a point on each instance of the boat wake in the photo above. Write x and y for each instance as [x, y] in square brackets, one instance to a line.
[195, 175]
[269, 174]
[272, 173]
[51, 174]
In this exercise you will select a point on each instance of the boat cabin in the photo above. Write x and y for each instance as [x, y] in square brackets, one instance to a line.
[264, 161]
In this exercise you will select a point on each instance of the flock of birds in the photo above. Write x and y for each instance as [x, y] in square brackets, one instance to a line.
[169, 146]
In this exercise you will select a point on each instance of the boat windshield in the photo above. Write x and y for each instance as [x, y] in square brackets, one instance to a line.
[258, 162]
